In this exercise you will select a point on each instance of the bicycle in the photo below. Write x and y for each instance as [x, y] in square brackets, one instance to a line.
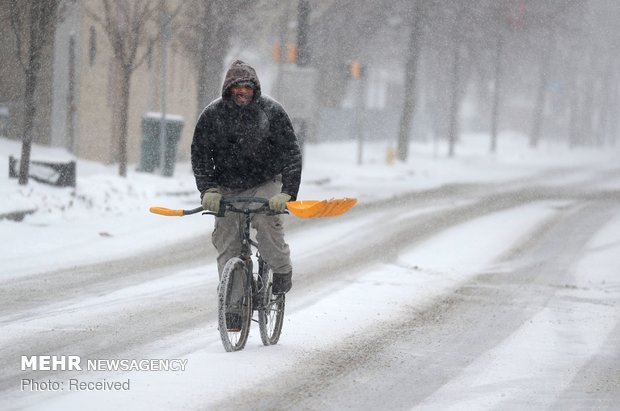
[256, 287]
[235, 315]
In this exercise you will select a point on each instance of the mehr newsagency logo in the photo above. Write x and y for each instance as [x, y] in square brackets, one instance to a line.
[75, 363]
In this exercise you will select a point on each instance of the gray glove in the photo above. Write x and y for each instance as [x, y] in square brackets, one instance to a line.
[278, 202]
[211, 200]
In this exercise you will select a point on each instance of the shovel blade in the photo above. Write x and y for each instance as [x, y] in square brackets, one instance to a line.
[320, 208]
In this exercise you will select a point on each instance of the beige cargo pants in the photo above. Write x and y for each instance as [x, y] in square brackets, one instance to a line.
[269, 233]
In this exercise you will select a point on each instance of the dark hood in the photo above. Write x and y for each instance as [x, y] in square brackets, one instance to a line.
[240, 71]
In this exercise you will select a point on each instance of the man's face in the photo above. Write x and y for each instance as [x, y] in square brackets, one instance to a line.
[242, 95]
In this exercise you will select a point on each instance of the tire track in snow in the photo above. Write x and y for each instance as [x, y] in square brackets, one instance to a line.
[402, 362]
[118, 328]
[156, 319]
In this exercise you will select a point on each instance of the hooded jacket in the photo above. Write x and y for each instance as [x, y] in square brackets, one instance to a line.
[241, 147]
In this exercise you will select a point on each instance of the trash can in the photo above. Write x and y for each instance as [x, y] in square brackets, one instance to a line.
[150, 158]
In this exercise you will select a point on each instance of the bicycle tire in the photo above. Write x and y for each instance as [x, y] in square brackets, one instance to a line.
[271, 308]
[234, 340]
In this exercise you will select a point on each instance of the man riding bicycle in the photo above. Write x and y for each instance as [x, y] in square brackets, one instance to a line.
[244, 146]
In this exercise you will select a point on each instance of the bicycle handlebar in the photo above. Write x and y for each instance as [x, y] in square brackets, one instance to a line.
[226, 204]
[232, 200]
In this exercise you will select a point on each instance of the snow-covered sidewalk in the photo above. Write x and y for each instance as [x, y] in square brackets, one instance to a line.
[106, 217]
[111, 213]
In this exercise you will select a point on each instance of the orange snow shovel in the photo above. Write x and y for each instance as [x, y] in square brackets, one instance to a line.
[302, 208]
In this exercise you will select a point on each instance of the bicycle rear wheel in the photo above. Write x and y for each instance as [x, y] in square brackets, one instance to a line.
[271, 308]
[234, 317]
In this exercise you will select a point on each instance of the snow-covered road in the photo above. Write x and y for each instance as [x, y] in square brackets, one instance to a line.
[471, 296]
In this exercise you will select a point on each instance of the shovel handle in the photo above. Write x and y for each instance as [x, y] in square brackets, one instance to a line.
[174, 213]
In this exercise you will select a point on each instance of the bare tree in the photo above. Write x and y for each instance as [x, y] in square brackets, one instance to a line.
[541, 89]
[453, 38]
[456, 79]
[33, 25]
[129, 26]
[548, 20]
[498, 11]
[339, 36]
[497, 83]
[206, 36]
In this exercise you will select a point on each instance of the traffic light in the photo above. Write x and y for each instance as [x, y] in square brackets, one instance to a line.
[290, 53]
[275, 53]
[356, 70]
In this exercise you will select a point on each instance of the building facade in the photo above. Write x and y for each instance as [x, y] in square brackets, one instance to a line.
[86, 88]
[78, 89]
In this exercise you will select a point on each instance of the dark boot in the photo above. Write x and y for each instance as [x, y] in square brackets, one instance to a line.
[282, 283]
[233, 322]
[233, 317]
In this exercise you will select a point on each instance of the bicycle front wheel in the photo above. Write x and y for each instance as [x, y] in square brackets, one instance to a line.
[234, 305]
[271, 309]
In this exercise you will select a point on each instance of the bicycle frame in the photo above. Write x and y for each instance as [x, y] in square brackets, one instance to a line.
[257, 286]
[228, 205]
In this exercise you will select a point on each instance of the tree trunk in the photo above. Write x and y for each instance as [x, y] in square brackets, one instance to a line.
[213, 70]
[541, 92]
[283, 26]
[496, 92]
[409, 105]
[614, 106]
[303, 50]
[124, 118]
[605, 89]
[587, 108]
[574, 103]
[214, 38]
[454, 89]
[203, 60]
[29, 113]
[39, 19]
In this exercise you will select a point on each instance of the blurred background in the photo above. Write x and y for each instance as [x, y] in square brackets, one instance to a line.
[101, 77]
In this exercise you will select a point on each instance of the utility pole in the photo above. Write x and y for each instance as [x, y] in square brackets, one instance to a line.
[499, 46]
[71, 97]
[164, 21]
[303, 58]
[303, 52]
[357, 75]
[281, 52]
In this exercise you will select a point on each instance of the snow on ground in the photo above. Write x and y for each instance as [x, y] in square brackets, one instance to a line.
[111, 213]
[209, 377]
[559, 340]
[106, 217]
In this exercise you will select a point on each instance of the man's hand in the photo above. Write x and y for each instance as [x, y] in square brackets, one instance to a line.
[211, 200]
[278, 202]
